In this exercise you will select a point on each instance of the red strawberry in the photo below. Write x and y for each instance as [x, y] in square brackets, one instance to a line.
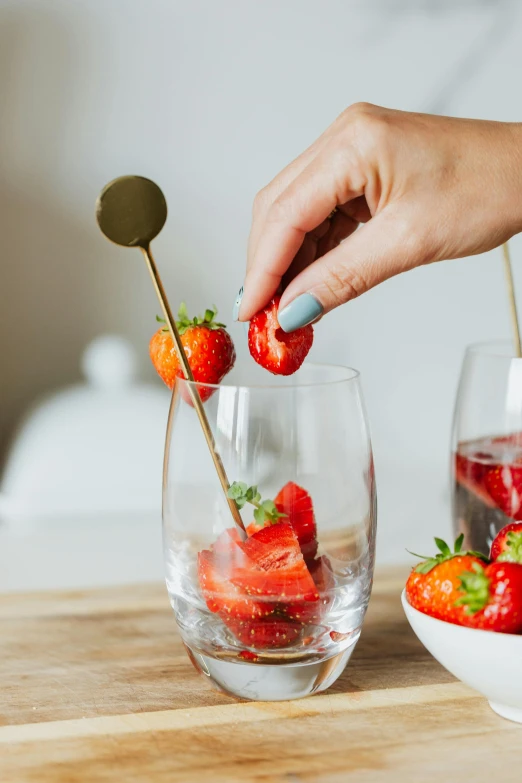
[282, 573]
[271, 632]
[296, 503]
[275, 550]
[253, 527]
[275, 350]
[507, 546]
[470, 473]
[209, 349]
[228, 541]
[261, 587]
[433, 587]
[224, 597]
[514, 439]
[504, 484]
[491, 596]
[308, 611]
[322, 574]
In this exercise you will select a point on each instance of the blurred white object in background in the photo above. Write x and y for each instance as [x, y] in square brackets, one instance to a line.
[92, 448]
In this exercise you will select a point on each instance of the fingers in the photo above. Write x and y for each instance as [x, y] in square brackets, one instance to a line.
[273, 190]
[318, 242]
[357, 209]
[300, 208]
[341, 226]
[267, 196]
[378, 250]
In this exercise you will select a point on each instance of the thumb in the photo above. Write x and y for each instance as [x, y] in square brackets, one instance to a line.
[379, 249]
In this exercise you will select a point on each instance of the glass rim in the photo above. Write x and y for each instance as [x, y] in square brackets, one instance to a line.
[487, 348]
[350, 375]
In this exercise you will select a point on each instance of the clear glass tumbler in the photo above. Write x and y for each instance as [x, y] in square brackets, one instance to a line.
[487, 444]
[275, 615]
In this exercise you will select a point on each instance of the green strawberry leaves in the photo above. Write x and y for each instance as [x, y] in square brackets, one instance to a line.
[243, 494]
[444, 554]
[184, 322]
[513, 551]
[265, 510]
[475, 587]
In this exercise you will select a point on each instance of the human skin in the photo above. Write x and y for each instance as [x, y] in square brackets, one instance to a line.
[425, 188]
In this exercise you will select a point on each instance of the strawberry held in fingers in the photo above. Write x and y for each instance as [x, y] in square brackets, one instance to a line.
[275, 350]
[208, 347]
[507, 546]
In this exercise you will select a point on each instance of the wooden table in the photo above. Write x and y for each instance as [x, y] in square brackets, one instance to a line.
[95, 686]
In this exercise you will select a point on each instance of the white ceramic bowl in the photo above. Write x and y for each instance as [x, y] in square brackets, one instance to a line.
[491, 663]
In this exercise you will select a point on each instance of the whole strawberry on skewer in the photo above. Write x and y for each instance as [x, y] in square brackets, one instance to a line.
[208, 346]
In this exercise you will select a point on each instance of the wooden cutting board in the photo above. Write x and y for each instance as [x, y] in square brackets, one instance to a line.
[95, 686]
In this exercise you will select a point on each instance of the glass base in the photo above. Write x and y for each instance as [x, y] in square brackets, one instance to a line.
[271, 682]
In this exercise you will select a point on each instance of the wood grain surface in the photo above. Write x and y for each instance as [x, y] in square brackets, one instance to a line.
[96, 687]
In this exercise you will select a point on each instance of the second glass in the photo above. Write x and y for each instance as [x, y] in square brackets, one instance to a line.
[487, 444]
[276, 616]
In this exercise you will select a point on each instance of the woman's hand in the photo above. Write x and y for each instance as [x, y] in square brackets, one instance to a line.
[426, 187]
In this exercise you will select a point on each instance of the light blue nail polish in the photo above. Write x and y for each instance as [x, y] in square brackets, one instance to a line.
[301, 312]
[237, 304]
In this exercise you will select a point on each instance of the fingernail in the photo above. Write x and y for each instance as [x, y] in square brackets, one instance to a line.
[301, 312]
[237, 304]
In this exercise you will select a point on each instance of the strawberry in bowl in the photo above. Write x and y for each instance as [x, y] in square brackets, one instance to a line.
[467, 611]
[507, 546]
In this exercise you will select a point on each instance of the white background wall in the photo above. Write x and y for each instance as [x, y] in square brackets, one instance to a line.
[211, 99]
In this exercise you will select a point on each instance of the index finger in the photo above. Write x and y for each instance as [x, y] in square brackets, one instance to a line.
[299, 209]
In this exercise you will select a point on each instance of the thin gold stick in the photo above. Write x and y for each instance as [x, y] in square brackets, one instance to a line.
[512, 300]
[196, 399]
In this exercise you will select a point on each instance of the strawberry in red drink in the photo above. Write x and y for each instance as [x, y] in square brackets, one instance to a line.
[488, 488]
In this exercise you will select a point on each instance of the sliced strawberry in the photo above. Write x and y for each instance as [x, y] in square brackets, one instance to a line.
[296, 503]
[514, 439]
[224, 597]
[282, 574]
[253, 527]
[322, 574]
[470, 473]
[275, 550]
[227, 541]
[504, 484]
[271, 632]
[303, 611]
[306, 611]
[275, 350]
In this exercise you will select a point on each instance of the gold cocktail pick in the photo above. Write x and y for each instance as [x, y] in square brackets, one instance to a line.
[512, 299]
[131, 211]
